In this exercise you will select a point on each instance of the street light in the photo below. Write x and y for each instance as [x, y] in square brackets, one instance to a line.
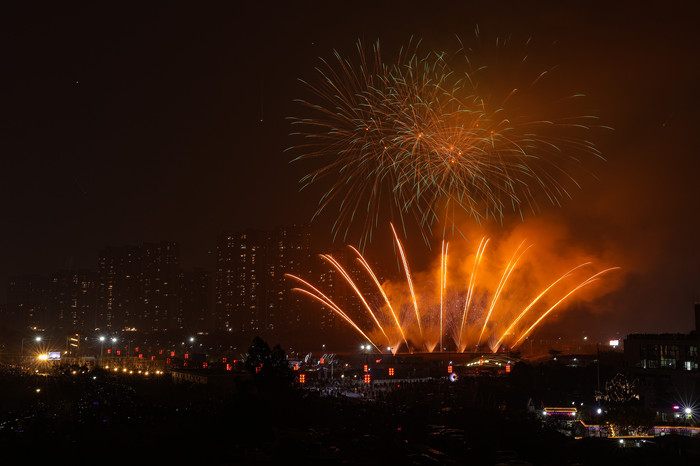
[192, 345]
[102, 344]
[36, 339]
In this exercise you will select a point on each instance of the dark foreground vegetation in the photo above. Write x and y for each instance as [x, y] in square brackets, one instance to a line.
[95, 417]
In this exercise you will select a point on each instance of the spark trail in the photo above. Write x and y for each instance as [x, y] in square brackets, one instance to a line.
[462, 315]
[425, 132]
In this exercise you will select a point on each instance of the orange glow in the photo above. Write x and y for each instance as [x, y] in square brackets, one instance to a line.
[379, 287]
[588, 281]
[323, 299]
[492, 311]
[345, 275]
[443, 285]
[408, 278]
[472, 281]
[508, 330]
[506, 274]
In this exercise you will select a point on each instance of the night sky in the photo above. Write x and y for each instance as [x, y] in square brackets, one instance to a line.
[124, 123]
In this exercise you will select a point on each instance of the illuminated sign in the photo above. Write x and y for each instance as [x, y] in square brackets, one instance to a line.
[54, 356]
[560, 411]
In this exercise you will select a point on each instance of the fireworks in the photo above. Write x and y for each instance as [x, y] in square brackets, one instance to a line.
[425, 132]
[470, 311]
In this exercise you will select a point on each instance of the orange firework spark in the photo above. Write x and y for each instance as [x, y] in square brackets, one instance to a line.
[470, 322]
[408, 278]
[427, 130]
[472, 279]
[325, 300]
[369, 270]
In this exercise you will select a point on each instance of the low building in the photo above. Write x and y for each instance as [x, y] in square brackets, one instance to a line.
[665, 368]
[671, 351]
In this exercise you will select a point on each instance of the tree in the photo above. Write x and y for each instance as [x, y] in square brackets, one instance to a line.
[258, 355]
[623, 413]
[619, 390]
[268, 366]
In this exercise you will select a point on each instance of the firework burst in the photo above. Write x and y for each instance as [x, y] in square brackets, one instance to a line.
[465, 312]
[424, 133]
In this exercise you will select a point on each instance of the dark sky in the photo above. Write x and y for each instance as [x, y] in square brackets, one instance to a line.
[130, 122]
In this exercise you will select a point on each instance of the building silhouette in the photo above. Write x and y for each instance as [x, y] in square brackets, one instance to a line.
[28, 298]
[138, 287]
[252, 294]
[665, 351]
[72, 299]
[195, 296]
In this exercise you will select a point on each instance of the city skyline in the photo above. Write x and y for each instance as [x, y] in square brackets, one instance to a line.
[364, 232]
[171, 124]
[145, 287]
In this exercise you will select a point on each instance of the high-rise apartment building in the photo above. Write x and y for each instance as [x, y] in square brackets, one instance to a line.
[252, 293]
[195, 297]
[336, 286]
[72, 301]
[288, 252]
[138, 286]
[117, 287]
[28, 300]
[239, 273]
[160, 270]
[63, 302]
